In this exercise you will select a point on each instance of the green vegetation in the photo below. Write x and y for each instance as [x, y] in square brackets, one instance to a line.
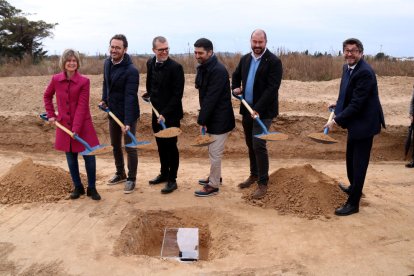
[19, 37]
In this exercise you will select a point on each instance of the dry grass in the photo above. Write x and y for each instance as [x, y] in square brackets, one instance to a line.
[296, 66]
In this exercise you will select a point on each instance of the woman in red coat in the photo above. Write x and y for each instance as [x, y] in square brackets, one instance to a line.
[72, 100]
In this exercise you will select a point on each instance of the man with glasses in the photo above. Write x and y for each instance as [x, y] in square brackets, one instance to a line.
[120, 94]
[165, 87]
[359, 110]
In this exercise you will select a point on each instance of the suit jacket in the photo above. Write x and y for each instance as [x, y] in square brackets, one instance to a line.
[72, 99]
[120, 88]
[266, 84]
[216, 110]
[169, 84]
[362, 114]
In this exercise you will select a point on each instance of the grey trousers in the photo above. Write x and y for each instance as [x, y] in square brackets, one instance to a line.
[215, 152]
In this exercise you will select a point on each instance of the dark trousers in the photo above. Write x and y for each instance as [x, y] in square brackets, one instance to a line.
[90, 166]
[115, 132]
[167, 150]
[357, 159]
[259, 159]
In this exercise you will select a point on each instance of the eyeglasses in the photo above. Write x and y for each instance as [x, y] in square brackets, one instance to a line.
[353, 51]
[163, 50]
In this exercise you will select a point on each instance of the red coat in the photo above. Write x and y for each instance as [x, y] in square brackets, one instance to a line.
[72, 97]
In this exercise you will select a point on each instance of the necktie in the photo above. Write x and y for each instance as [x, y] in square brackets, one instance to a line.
[342, 91]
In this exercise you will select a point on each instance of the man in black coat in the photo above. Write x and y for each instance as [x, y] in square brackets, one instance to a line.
[359, 110]
[216, 112]
[119, 93]
[165, 87]
[257, 78]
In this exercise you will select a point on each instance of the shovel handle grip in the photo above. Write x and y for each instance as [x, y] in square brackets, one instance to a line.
[331, 116]
[44, 117]
[243, 102]
[106, 109]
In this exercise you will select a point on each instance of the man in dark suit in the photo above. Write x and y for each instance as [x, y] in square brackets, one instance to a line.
[216, 112]
[359, 110]
[257, 78]
[120, 94]
[165, 87]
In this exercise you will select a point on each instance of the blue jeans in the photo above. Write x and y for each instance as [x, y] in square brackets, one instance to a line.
[90, 166]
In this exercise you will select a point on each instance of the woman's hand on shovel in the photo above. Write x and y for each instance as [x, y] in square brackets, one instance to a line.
[51, 120]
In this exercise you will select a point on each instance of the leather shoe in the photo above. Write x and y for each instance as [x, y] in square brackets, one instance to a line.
[248, 182]
[344, 188]
[346, 210]
[260, 192]
[158, 179]
[410, 165]
[169, 187]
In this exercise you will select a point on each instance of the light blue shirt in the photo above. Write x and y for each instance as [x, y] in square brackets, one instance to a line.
[248, 92]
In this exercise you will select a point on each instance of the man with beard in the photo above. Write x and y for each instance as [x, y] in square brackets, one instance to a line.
[216, 115]
[165, 87]
[257, 78]
[120, 94]
[359, 110]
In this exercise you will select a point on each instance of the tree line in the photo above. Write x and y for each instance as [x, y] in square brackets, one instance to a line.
[21, 37]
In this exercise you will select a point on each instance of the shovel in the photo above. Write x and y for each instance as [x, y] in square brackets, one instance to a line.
[203, 139]
[324, 138]
[134, 143]
[96, 150]
[165, 132]
[266, 135]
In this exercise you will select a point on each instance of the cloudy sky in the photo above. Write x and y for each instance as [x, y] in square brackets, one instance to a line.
[294, 25]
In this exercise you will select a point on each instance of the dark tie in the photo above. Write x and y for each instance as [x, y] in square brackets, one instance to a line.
[342, 91]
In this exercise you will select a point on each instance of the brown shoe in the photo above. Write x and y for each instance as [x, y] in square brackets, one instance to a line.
[248, 182]
[260, 192]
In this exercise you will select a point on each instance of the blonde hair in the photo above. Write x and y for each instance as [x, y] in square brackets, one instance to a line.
[68, 53]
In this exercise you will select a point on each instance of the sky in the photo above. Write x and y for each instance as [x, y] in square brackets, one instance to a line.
[291, 25]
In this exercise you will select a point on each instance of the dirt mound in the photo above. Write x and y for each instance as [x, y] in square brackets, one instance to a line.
[301, 191]
[28, 182]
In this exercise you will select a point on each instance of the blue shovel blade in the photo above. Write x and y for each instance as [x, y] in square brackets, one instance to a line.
[138, 144]
[96, 150]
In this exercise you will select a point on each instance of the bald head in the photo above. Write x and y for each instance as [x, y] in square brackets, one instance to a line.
[259, 32]
[258, 41]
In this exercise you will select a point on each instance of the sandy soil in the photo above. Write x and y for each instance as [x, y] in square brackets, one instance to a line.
[292, 231]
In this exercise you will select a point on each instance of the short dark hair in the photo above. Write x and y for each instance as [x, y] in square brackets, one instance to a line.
[353, 41]
[205, 43]
[120, 37]
[161, 39]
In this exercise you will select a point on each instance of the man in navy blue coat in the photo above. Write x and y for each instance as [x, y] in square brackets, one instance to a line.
[358, 109]
[120, 94]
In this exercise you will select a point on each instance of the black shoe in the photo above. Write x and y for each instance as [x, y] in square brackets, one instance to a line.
[410, 165]
[344, 188]
[169, 187]
[346, 210]
[117, 178]
[158, 179]
[93, 193]
[207, 180]
[77, 192]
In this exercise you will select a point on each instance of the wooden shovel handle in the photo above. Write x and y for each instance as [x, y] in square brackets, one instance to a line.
[116, 119]
[59, 125]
